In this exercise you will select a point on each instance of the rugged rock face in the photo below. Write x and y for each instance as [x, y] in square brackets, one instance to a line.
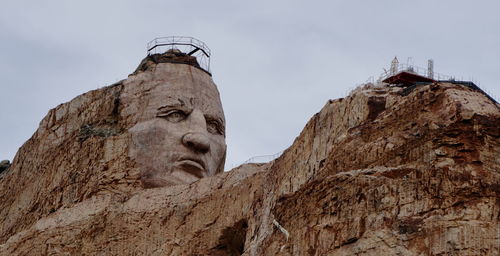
[375, 173]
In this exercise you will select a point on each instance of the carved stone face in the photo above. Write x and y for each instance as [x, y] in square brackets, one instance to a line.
[180, 137]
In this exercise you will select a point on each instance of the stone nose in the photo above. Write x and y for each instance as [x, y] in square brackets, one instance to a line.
[196, 141]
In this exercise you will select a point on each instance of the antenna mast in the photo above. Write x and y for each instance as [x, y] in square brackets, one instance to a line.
[394, 66]
[430, 69]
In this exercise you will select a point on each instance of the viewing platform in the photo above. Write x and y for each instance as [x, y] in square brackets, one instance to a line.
[182, 45]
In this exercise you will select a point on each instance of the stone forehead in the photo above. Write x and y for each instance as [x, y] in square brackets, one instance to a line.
[144, 93]
[187, 89]
[189, 95]
[172, 79]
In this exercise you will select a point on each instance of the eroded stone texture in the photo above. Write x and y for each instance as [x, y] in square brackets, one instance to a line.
[416, 178]
[375, 173]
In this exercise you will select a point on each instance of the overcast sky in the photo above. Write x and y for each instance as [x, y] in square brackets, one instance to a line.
[276, 62]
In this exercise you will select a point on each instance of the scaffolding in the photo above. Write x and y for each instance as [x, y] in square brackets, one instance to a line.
[263, 159]
[430, 69]
[412, 70]
[189, 45]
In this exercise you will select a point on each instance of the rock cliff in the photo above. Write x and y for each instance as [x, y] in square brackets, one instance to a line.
[379, 172]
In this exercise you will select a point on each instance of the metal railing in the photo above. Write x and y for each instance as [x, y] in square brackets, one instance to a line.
[185, 44]
[263, 159]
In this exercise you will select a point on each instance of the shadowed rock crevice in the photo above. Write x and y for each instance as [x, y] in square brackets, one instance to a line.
[4, 165]
[232, 240]
[375, 105]
[104, 131]
[110, 124]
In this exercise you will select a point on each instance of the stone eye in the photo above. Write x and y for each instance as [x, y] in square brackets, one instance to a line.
[174, 116]
[214, 127]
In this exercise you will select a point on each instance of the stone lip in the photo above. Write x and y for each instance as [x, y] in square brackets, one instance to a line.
[374, 173]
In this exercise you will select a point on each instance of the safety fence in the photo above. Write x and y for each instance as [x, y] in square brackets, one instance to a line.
[185, 44]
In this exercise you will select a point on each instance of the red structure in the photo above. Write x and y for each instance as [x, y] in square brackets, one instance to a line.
[407, 75]
[407, 78]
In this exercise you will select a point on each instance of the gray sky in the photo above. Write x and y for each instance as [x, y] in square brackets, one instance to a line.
[276, 62]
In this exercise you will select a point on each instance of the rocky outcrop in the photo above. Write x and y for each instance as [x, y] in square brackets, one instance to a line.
[171, 56]
[375, 173]
[416, 176]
